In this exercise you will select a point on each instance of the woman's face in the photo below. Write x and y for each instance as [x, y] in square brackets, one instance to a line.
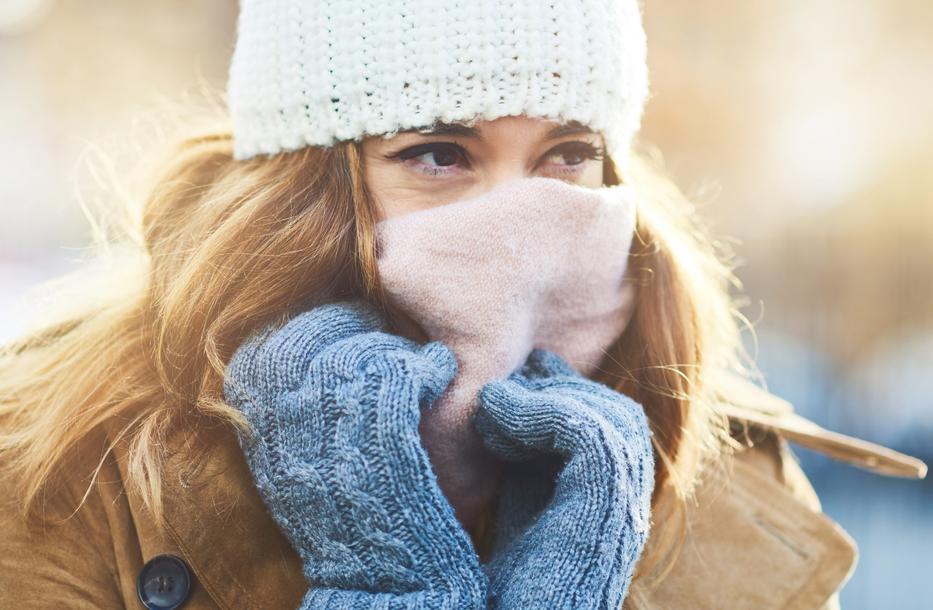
[414, 170]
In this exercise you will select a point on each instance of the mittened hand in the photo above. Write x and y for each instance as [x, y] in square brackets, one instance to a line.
[335, 403]
[579, 547]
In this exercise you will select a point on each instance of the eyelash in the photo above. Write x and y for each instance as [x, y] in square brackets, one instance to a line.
[584, 149]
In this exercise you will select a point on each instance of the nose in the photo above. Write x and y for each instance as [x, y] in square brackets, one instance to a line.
[504, 171]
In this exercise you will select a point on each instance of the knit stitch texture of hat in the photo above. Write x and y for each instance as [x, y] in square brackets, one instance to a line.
[316, 72]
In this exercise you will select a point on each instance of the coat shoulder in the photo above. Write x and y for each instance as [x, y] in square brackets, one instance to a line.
[754, 534]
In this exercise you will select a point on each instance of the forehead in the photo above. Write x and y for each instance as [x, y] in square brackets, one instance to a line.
[509, 125]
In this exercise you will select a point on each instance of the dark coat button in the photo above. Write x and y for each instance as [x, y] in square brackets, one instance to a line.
[164, 583]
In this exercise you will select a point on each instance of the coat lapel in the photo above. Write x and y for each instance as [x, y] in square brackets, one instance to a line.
[750, 543]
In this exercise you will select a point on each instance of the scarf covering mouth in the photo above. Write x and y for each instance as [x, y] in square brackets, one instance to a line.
[533, 262]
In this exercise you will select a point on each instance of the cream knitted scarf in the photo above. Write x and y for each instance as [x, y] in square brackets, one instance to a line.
[534, 262]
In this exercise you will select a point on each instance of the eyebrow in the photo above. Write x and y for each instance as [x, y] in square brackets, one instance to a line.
[456, 129]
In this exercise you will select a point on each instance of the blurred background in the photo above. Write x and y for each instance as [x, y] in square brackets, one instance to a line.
[803, 127]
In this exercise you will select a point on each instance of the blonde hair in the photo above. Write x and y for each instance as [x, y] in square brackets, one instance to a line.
[220, 247]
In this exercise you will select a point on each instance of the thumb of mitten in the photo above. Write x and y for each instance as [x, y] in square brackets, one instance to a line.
[513, 425]
[544, 363]
[436, 366]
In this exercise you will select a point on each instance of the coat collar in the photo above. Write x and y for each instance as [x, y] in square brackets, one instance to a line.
[743, 401]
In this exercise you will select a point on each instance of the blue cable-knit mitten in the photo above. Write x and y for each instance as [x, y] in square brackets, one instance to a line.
[335, 403]
[574, 513]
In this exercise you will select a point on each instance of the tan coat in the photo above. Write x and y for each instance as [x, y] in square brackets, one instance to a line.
[760, 542]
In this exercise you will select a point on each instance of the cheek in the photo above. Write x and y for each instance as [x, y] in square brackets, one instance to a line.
[397, 191]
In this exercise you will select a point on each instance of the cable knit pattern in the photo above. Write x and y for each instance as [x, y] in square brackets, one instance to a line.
[577, 546]
[314, 72]
[335, 403]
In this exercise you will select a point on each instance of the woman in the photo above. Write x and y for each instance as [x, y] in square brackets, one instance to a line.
[129, 477]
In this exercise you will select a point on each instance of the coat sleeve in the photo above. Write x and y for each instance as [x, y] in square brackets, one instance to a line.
[56, 563]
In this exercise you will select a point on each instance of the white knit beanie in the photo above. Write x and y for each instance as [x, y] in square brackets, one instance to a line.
[315, 72]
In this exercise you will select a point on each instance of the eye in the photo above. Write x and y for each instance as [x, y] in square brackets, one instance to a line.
[433, 158]
[570, 158]
[576, 153]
